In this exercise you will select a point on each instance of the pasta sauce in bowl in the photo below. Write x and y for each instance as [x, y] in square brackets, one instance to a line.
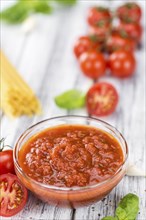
[71, 164]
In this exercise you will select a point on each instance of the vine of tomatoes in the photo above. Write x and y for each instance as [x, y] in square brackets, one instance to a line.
[108, 49]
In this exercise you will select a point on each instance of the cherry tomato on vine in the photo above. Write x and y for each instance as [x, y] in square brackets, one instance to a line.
[93, 64]
[129, 12]
[13, 195]
[101, 30]
[132, 30]
[97, 14]
[122, 63]
[86, 43]
[117, 42]
[6, 159]
[101, 99]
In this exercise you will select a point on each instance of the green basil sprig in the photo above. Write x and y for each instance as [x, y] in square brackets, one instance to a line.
[127, 209]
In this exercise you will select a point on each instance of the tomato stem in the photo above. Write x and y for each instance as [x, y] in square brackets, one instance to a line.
[2, 144]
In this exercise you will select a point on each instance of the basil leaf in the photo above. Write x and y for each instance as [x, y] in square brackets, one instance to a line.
[71, 99]
[110, 218]
[128, 207]
[15, 14]
[22, 9]
[38, 6]
[66, 2]
[42, 8]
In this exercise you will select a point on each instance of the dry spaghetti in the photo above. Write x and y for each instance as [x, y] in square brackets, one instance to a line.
[17, 98]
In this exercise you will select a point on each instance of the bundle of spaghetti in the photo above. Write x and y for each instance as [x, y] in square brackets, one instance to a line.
[17, 98]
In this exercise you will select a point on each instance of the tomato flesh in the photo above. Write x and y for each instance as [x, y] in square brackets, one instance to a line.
[101, 99]
[13, 195]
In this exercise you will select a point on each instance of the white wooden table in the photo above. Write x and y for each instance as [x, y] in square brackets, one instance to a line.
[45, 59]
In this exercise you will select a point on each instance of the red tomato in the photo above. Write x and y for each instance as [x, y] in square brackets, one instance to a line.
[117, 42]
[86, 43]
[93, 64]
[122, 63]
[97, 14]
[13, 195]
[129, 12]
[6, 159]
[6, 162]
[132, 30]
[100, 30]
[101, 99]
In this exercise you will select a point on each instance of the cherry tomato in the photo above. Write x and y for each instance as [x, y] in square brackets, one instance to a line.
[129, 12]
[122, 63]
[6, 159]
[13, 195]
[101, 99]
[116, 42]
[86, 43]
[6, 162]
[97, 14]
[101, 30]
[132, 30]
[93, 64]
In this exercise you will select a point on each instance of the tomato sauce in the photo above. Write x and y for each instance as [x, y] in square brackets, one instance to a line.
[71, 155]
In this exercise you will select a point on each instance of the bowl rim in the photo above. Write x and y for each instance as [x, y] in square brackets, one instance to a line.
[74, 188]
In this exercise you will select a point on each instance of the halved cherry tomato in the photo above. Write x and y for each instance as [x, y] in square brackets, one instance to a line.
[132, 30]
[97, 14]
[6, 159]
[116, 42]
[122, 63]
[101, 99]
[86, 43]
[93, 64]
[129, 12]
[13, 195]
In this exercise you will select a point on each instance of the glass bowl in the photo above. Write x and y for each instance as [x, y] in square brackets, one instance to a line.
[71, 196]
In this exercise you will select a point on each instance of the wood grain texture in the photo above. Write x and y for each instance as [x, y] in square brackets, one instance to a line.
[44, 58]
